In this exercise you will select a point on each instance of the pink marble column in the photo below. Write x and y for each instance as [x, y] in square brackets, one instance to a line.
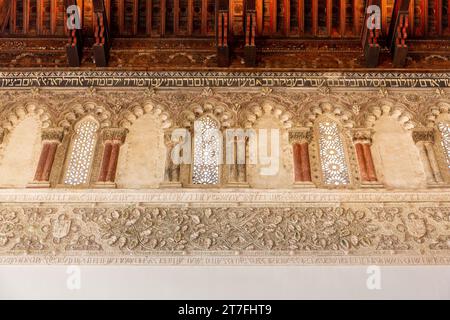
[112, 140]
[51, 138]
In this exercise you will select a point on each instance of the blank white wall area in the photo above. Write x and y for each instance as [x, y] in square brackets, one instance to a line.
[134, 282]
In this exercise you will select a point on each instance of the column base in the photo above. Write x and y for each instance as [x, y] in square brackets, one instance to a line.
[303, 185]
[371, 184]
[237, 185]
[38, 184]
[170, 184]
[105, 185]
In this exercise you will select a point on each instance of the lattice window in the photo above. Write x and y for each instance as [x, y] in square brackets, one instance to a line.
[332, 156]
[206, 152]
[82, 153]
[444, 128]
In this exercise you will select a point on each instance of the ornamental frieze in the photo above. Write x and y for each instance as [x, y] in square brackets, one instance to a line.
[211, 233]
[56, 79]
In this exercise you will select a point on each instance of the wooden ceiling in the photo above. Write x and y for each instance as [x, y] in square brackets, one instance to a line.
[280, 26]
[196, 18]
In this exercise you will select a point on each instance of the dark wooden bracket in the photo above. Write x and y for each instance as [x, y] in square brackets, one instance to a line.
[370, 37]
[102, 38]
[74, 48]
[398, 33]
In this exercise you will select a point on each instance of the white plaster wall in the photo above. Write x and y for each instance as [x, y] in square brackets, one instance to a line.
[19, 158]
[120, 282]
[396, 157]
[285, 176]
[142, 156]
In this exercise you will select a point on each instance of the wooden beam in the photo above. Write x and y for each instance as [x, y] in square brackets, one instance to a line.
[369, 39]
[424, 19]
[5, 14]
[411, 18]
[222, 33]
[273, 15]
[135, 17]
[250, 33]
[398, 32]
[121, 16]
[53, 16]
[163, 17]
[357, 17]
[329, 16]
[301, 16]
[438, 17]
[26, 16]
[315, 17]
[74, 48]
[148, 14]
[176, 16]
[190, 20]
[287, 17]
[40, 10]
[342, 17]
[259, 17]
[204, 17]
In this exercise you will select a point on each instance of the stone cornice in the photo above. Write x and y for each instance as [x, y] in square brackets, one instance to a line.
[186, 79]
[210, 196]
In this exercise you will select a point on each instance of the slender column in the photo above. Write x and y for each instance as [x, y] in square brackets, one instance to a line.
[297, 151]
[49, 161]
[171, 170]
[105, 161]
[241, 153]
[433, 162]
[361, 161]
[51, 138]
[426, 163]
[300, 139]
[305, 167]
[236, 145]
[424, 140]
[112, 166]
[113, 138]
[42, 160]
[362, 139]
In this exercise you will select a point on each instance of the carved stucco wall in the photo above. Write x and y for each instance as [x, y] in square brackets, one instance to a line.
[396, 157]
[20, 154]
[270, 223]
[284, 165]
[141, 159]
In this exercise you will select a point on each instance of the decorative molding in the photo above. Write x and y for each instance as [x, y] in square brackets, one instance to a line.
[217, 233]
[186, 79]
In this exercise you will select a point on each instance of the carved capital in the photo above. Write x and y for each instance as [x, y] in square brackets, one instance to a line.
[53, 134]
[114, 134]
[300, 135]
[425, 135]
[362, 135]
